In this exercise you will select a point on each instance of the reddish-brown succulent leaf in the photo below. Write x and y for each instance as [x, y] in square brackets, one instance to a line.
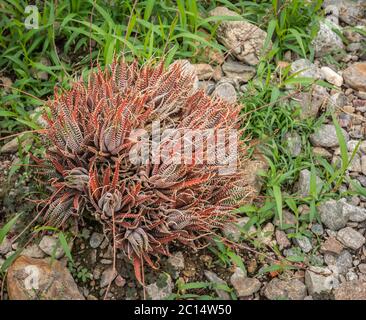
[143, 207]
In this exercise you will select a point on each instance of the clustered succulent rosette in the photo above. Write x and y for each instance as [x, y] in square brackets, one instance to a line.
[146, 206]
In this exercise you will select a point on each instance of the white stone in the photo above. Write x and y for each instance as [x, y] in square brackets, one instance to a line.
[51, 246]
[331, 76]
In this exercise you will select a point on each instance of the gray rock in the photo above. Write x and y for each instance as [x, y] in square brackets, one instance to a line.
[93, 256]
[33, 251]
[350, 276]
[243, 285]
[108, 254]
[332, 214]
[311, 101]
[305, 68]
[293, 143]
[204, 71]
[212, 277]
[97, 273]
[96, 239]
[282, 240]
[350, 11]
[51, 246]
[289, 220]
[225, 91]
[355, 262]
[243, 39]
[207, 86]
[356, 214]
[107, 276]
[316, 260]
[356, 131]
[354, 47]
[330, 260]
[106, 261]
[6, 84]
[321, 152]
[85, 233]
[303, 100]
[176, 260]
[243, 221]
[39, 74]
[351, 146]
[13, 145]
[278, 289]
[239, 71]
[351, 35]
[317, 229]
[355, 165]
[359, 104]
[290, 252]
[363, 147]
[351, 238]
[304, 243]
[361, 267]
[363, 164]
[303, 184]
[337, 101]
[355, 201]
[265, 236]
[120, 281]
[332, 14]
[319, 280]
[160, 292]
[362, 180]
[232, 231]
[319, 96]
[232, 81]
[344, 262]
[326, 40]
[5, 246]
[326, 136]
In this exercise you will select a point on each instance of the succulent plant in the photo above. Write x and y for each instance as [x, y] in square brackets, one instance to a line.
[143, 206]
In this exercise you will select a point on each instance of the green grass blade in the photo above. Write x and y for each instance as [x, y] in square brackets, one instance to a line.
[65, 246]
[5, 229]
[278, 198]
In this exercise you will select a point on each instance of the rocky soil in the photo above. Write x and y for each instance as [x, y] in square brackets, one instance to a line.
[334, 265]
